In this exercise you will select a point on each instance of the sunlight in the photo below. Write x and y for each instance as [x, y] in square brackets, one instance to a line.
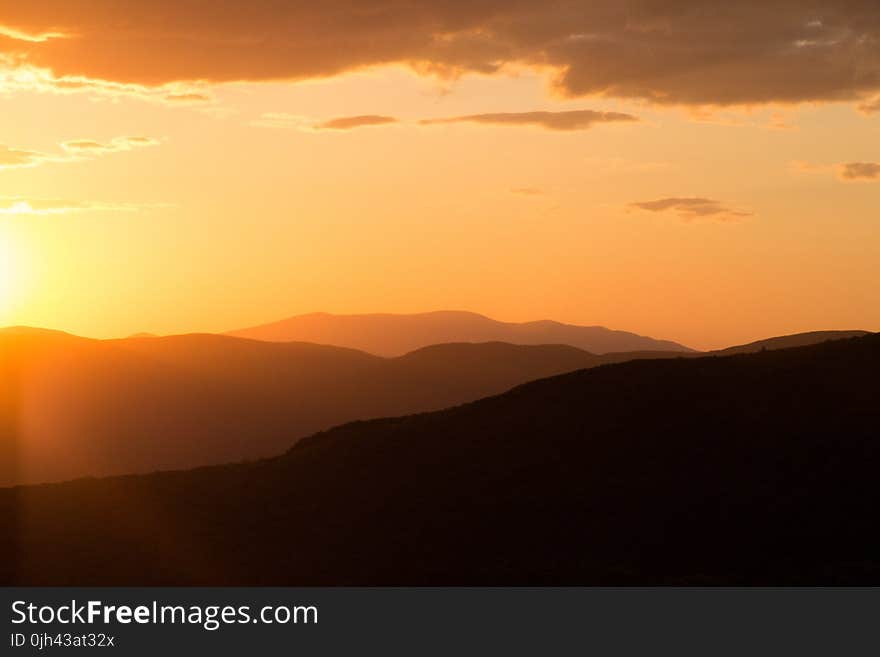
[7, 274]
[19, 207]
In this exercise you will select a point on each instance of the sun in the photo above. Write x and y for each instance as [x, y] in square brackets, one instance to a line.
[7, 274]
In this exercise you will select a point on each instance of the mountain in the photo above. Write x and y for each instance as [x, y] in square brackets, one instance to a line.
[392, 335]
[71, 407]
[786, 341]
[740, 470]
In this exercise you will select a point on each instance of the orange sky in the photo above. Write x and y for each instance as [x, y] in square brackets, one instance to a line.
[165, 171]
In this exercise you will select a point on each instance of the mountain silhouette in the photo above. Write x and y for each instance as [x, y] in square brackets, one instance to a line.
[746, 469]
[72, 407]
[785, 341]
[392, 335]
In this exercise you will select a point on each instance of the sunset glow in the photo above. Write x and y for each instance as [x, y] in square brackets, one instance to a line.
[7, 274]
[180, 186]
[437, 294]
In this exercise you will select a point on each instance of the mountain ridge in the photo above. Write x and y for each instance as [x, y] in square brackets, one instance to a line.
[390, 334]
[793, 340]
[73, 406]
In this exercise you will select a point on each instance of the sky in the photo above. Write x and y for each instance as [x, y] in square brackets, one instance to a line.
[692, 171]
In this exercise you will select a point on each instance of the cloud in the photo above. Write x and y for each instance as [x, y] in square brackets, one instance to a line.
[73, 151]
[299, 122]
[690, 52]
[19, 205]
[691, 208]
[17, 76]
[349, 122]
[569, 120]
[852, 171]
[88, 146]
[870, 105]
[848, 171]
[187, 97]
[13, 158]
[18, 35]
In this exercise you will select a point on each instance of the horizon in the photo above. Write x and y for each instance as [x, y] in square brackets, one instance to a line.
[234, 333]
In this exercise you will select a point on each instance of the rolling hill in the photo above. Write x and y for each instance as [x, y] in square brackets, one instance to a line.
[748, 469]
[71, 407]
[786, 341]
[392, 335]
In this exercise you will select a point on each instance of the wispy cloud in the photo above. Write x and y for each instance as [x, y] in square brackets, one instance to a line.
[349, 122]
[188, 97]
[39, 37]
[89, 146]
[690, 208]
[855, 171]
[14, 158]
[562, 121]
[72, 151]
[18, 76]
[308, 124]
[20, 205]
[870, 105]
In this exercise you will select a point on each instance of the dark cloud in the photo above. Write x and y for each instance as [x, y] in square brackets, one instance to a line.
[860, 171]
[674, 51]
[693, 207]
[350, 122]
[570, 120]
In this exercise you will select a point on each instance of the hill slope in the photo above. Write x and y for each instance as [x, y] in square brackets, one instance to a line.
[749, 469]
[786, 341]
[71, 407]
[392, 335]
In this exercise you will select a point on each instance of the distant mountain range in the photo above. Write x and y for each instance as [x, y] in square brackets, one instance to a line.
[72, 407]
[748, 469]
[393, 335]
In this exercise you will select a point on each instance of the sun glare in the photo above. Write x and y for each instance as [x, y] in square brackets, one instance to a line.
[7, 275]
